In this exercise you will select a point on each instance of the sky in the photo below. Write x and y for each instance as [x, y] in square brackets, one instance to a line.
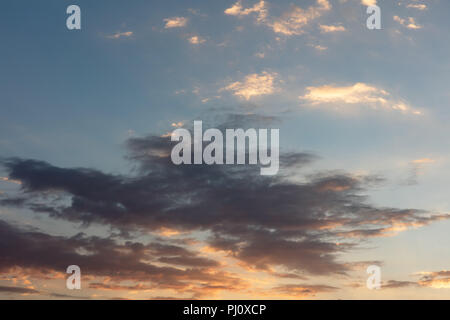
[86, 178]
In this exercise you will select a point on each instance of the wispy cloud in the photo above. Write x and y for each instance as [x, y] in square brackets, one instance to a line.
[436, 280]
[260, 9]
[120, 34]
[356, 94]
[295, 20]
[331, 28]
[428, 279]
[318, 47]
[6, 179]
[409, 23]
[20, 290]
[418, 6]
[292, 22]
[417, 168]
[300, 290]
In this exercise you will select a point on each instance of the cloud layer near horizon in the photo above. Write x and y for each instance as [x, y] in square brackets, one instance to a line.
[262, 223]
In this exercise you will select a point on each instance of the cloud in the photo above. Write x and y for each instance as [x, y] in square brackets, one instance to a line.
[121, 34]
[19, 290]
[260, 9]
[395, 284]
[113, 286]
[6, 179]
[331, 28]
[295, 20]
[290, 23]
[433, 279]
[418, 6]
[356, 94]
[253, 85]
[417, 168]
[423, 161]
[196, 40]
[368, 2]
[260, 222]
[302, 291]
[153, 265]
[178, 124]
[436, 280]
[318, 47]
[25, 291]
[175, 22]
[409, 23]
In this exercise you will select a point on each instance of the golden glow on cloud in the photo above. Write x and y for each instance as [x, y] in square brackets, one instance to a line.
[299, 291]
[435, 280]
[423, 161]
[359, 93]
[259, 8]
[290, 23]
[418, 6]
[331, 28]
[175, 22]
[409, 23]
[294, 21]
[275, 250]
[196, 40]
[121, 34]
[167, 232]
[368, 2]
[254, 85]
[6, 179]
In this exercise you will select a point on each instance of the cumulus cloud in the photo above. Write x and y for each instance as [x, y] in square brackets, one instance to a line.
[356, 94]
[253, 85]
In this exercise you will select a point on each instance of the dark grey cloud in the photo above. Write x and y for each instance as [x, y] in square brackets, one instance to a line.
[302, 291]
[263, 221]
[20, 290]
[395, 284]
[27, 291]
[37, 253]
